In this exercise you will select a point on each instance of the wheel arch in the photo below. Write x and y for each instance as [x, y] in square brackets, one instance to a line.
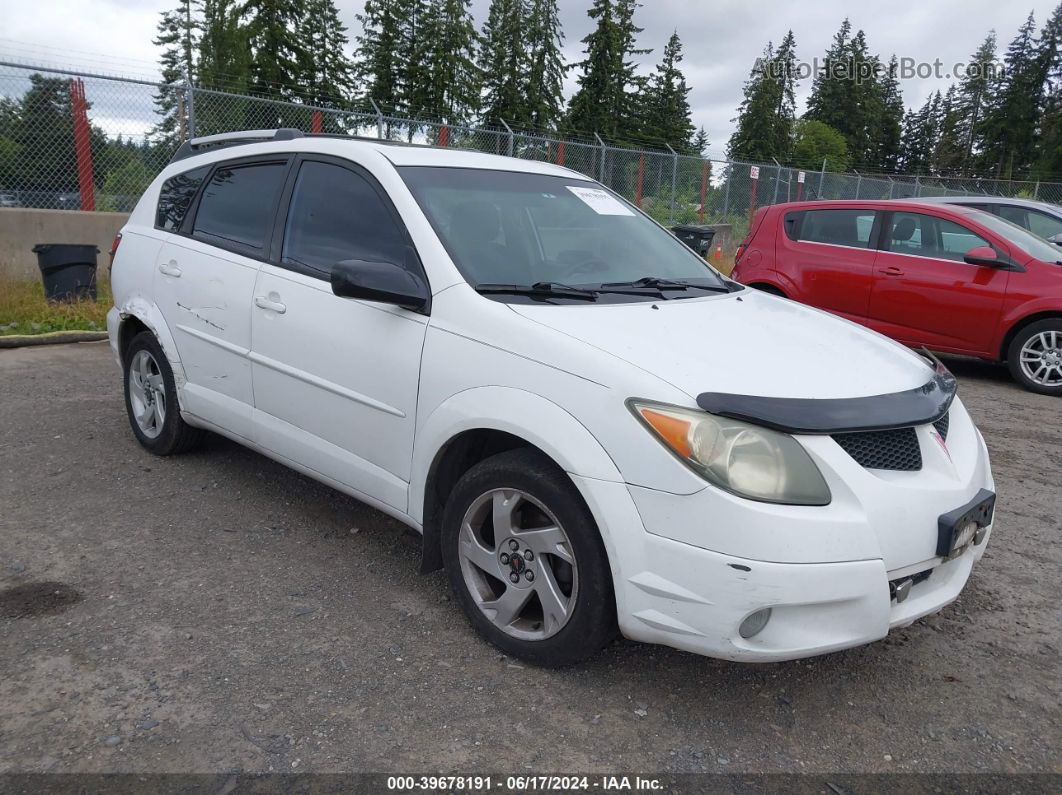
[767, 287]
[1024, 322]
[478, 423]
[139, 314]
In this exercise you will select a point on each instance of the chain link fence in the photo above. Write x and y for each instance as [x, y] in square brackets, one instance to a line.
[73, 140]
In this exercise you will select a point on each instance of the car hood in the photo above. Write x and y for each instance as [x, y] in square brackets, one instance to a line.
[746, 343]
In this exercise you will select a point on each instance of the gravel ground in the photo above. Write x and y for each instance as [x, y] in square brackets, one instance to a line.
[217, 612]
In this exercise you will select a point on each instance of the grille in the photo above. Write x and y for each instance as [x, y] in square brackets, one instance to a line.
[942, 426]
[893, 449]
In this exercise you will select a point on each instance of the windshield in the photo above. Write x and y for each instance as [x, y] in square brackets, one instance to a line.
[513, 228]
[1021, 237]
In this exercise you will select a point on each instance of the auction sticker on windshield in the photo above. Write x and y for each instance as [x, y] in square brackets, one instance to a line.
[601, 202]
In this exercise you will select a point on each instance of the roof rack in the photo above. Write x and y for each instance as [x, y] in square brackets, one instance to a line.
[197, 145]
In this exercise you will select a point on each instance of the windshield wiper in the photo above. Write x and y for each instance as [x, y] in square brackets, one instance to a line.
[658, 283]
[538, 289]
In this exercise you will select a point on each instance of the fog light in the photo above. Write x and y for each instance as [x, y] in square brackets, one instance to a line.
[755, 623]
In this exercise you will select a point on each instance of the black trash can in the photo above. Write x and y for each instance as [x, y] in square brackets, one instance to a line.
[68, 270]
[697, 237]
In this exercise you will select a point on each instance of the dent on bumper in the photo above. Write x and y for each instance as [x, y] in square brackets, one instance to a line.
[679, 595]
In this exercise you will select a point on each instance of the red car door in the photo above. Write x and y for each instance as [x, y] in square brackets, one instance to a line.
[827, 256]
[924, 293]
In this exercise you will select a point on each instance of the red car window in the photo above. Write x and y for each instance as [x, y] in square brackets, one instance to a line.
[929, 236]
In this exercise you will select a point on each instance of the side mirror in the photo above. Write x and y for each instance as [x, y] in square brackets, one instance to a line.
[984, 255]
[385, 282]
[1056, 239]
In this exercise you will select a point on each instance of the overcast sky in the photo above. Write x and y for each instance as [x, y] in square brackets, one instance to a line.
[722, 38]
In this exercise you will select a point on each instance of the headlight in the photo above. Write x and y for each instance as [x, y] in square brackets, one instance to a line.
[744, 459]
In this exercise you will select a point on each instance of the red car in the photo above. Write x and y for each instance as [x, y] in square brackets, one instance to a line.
[951, 278]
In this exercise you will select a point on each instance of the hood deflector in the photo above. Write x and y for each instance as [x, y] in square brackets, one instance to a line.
[919, 406]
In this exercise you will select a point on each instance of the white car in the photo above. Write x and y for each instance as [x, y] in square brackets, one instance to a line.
[592, 429]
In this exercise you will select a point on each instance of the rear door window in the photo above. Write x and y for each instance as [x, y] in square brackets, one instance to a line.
[850, 228]
[238, 204]
[176, 197]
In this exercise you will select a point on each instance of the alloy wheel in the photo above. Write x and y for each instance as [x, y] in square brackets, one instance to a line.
[1041, 358]
[147, 393]
[518, 564]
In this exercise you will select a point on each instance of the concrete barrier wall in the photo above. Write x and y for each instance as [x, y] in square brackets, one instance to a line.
[23, 228]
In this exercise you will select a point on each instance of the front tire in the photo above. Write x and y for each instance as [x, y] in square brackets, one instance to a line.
[151, 399]
[1035, 357]
[526, 562]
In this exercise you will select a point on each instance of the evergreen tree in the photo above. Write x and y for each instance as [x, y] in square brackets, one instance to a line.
[326, 72]
[888, 129]
[225, 65]
[277, 51]
[700, 143]
[380, 46]
[666, 118]
[545, 74]
[418, 27]
[589, 109]
[1008, 129]
[504, 64]
[449, 83]
[827, 101]
[224, 61]
[628, 87]
[920, 131]
[948, 151]
[785, 94]
[847, 95]
[605, 101]
[767, 113]
[862, 102]
[1048, 156]
[975, 97]
[178, 36]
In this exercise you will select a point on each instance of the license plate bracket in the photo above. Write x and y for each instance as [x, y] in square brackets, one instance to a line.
[950, 525]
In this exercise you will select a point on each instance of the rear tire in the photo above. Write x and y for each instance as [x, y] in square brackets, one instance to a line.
[151, 399]
[526, 562]
[1035, 357]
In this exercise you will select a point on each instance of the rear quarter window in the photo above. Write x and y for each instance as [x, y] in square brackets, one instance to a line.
[176, 197]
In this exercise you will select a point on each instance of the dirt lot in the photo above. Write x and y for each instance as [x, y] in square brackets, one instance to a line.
[218, 612]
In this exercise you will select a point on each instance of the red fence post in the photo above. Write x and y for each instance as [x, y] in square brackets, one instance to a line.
[82, 145]
[444, 136]
[560, 153]
[638, 184]
[704, 189]
[800, 184]
[316, 121]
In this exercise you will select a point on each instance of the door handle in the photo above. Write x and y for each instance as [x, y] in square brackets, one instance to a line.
[170, 269]
[273, 306]
[892, 270]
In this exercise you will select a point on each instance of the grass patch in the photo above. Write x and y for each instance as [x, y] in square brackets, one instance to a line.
[23, 310]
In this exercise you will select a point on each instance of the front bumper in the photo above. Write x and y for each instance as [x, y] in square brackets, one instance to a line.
[679, 595]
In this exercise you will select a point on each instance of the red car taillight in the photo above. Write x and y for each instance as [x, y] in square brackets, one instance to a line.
[114, 245]
[737, 254]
